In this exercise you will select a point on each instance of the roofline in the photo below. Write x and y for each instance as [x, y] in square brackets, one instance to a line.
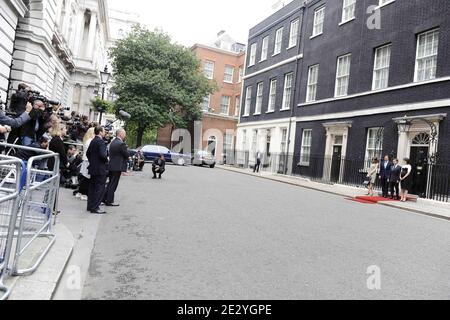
[203, 46]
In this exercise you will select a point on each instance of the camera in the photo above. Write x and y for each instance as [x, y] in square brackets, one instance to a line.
[36, 95]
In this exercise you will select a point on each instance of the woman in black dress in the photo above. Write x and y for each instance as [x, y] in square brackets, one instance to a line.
[406, 179]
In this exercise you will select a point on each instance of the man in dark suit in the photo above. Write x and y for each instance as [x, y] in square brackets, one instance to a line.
[118, 156]
[97, 154]
[394, 179]
[385, 173]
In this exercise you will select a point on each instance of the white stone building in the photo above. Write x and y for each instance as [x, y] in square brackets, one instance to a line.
[10, 11]
[60, 48]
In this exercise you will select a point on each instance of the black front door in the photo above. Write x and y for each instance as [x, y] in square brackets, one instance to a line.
[419, 163]
[336, 163]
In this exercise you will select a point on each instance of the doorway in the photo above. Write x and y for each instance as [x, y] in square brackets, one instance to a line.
[336, 164]
[419, 163]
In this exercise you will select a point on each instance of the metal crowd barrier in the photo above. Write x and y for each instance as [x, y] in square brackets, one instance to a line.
[32, 218]
[10, 187]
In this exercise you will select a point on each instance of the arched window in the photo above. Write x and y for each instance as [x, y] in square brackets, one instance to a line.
[422, 139]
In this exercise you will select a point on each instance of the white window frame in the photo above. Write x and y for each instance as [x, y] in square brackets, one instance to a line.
[344, 76]
[206, 106]
[265, 49]
[209, 72]
[311, 89]
[372, 148]
[252, 60]
[378, 69]
[383, 3]
[227, 105]
[319, 21]
[241, 74]
[259, 98]
[272, 96]
[248, 101]
[225, 79]
[348, 10]
[305, 157]
[287, 92]
[433, 56]
[278, 41]
[293, 33]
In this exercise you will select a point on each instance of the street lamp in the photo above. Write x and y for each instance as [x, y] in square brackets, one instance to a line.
[404, 124]
[104, 78]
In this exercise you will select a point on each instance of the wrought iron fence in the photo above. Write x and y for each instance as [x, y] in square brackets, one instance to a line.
[345, 171]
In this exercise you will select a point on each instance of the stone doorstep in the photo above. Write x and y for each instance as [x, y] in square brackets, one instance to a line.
[424, 206]
[42, 284]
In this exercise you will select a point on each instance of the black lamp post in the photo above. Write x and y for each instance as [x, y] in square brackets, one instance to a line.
[104, 78]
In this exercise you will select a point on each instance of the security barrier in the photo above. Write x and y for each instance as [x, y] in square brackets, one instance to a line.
[28, 202]
[10, 187]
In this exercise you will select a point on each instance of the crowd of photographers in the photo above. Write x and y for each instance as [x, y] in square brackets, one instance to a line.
[34, 121]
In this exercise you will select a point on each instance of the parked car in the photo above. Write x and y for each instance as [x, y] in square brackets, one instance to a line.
[151, 152]
[204, 158]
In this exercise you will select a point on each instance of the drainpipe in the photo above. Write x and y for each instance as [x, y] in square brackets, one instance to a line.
[299, 64]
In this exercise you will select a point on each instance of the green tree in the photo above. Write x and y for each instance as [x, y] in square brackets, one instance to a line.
[157, 82]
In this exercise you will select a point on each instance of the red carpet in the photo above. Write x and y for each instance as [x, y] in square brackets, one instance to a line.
[370, 200]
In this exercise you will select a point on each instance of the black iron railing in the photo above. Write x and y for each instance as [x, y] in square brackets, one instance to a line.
[334, 170]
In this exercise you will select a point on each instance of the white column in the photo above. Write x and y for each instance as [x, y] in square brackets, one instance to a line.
[78, 38]
[402, 151]
[92, 34]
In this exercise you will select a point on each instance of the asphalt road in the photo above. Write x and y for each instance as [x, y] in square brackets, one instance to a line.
[212, 234]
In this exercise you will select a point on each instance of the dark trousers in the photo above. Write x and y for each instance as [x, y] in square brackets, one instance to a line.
[114, 179]
[395, 190]
[97, 188]
[159, 171]
[385, 186]
[257, 166]
[83, 186]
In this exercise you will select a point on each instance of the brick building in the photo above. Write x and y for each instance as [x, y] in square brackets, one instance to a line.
[223, 63]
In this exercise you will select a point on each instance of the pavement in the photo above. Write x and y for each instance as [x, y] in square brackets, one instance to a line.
[205, 233]
[422, 206]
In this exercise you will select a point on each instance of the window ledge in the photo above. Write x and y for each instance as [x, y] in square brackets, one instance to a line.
[291, 47]
[384, 4]
[250, 65]
[263, 60]
[229, 82]
[304, 164]
[271, 111]
[315, 36]
[257, 114]
[245, 116]
[286, 109]
[275, 54]
[347, 21]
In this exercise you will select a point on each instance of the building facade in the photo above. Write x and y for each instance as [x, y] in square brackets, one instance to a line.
[267, 123]
[371, 78]
[60, 47]
[223, 64]
[372, 85]
[10, 11]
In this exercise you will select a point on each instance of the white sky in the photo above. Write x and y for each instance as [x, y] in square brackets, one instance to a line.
[198, 21]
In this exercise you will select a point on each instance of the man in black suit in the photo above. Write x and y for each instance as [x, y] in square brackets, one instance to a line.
[385, 173]
[118, 156]
[394, 179]
[97, 154]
